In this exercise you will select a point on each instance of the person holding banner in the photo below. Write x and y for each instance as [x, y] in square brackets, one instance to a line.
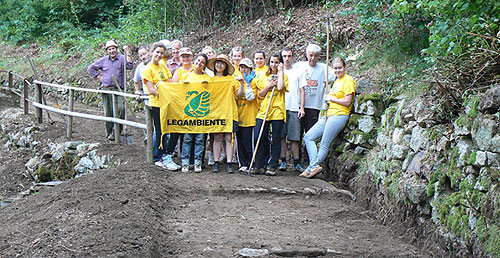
[223, 70]
[248, 106]
[272, 87]
[340, 99]
[152, 74]
[196, 75]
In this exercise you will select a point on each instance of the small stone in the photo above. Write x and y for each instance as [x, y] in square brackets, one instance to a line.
[72, 145]
[493, 159]
[397, 135]
[399, 151]
[251, 252]
[480, 159]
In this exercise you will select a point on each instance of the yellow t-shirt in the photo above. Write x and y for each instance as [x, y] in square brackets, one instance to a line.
[155, 73]
[193, 77]
[236, 85]
[181, 72]
[261, 71]
[237, 72]
[247, 109]
[277, 109]
[341, 88]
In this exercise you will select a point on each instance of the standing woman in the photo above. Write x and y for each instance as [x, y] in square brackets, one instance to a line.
[248, 106]
[196, 75]
[187, 64]
[152, 74]
[274, 77]
[340, 99]
[235, 56]
[223, 71]
[259, 58]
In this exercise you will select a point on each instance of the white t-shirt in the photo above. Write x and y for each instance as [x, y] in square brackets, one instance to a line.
[296, 80]
[138, 78]
[315, 86]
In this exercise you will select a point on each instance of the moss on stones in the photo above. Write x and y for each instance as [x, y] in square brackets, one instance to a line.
[44, 174]
[375, 97]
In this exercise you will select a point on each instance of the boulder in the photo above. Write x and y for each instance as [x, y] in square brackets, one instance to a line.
[418, 138]
[490, 102]
[480, 160]
[493, 159]
[397, 135]
[495, 143]
[368, 123]
[483, 130]
[399, 151]
[415, 189]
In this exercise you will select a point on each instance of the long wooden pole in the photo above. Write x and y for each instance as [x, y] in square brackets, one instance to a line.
[261, 128]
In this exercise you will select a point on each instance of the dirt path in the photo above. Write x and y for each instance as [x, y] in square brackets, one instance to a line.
[140, 210]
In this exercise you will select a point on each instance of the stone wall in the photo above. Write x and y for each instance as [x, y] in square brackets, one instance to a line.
[448, 175]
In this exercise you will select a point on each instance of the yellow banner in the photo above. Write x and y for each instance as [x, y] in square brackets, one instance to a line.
[196, 107]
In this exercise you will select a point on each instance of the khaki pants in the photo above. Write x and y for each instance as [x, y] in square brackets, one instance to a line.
[107, 103]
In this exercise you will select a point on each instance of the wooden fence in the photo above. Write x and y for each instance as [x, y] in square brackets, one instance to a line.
[40, 104]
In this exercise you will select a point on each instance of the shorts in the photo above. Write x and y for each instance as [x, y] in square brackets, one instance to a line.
[291, 129]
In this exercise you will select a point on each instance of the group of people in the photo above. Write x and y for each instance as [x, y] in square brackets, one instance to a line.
[278, 103]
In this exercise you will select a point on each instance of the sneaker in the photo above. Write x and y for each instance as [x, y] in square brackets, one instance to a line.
[243, 169]
[159, 163]
[170, 164]
[235, 159]
[185, 168]
[282, 166]
[257, 171]
[271, 171]
[197, 168]
[222, 158]
[111, 137]
[299, 168]
[211, 160]
[314, 172]
[229, 168]
[215, 167]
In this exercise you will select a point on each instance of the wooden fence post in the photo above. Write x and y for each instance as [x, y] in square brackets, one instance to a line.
[69, 126]
[115, 115]
[38, 99]
[149, 141]
[10, 80]
[25, 97]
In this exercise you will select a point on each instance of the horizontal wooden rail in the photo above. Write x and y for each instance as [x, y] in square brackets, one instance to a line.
[89, 116]
[90, 90]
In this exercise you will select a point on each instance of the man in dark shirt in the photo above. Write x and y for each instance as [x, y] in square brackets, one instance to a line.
[111, 65]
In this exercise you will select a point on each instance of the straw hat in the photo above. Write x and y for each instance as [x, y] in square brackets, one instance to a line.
[110, 43]
[223, 58]
[247, 62]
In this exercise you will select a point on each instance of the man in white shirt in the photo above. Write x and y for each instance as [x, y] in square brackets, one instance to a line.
[315, 74]
[294, 104]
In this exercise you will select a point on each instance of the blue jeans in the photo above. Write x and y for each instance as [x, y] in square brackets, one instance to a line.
[199, 146]
[262, 156]
[327, 131]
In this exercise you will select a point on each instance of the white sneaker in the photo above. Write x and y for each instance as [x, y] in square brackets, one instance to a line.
[235, 159]
[197, 168]
[211, 160]
[185, 168]
[243, 169]
[159, 163]
[170, 164]
[222, 158]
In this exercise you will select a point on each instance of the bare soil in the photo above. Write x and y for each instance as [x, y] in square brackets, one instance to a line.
[138, 209]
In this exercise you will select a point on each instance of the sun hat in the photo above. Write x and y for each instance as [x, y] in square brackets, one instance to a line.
[247, 62]
[185, 51]
[166, 43]
[110, 43]
[223, 58]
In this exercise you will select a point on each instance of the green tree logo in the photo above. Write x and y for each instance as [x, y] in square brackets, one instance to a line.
[198, 105]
